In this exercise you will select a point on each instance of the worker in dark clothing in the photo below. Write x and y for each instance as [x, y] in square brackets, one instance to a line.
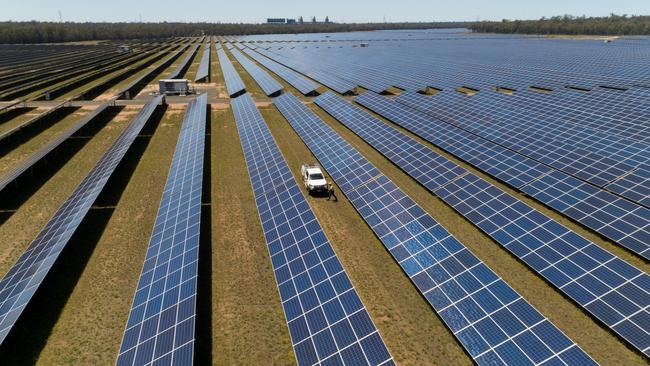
[331, 193]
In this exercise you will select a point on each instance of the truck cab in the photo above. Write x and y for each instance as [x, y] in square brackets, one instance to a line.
[313, 178]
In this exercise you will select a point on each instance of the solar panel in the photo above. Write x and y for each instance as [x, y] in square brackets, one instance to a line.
[633, 186]
[7, 106]
[182, 67]
[268, 84]
[549, 248]
[32, 121]
[614, 132]
[616, 218]
[327, 321]
[331, 81]
[22, 280]
[129, 90]
[160, 329]
[494, 116]
[234, 84]
[203, 72]
[494, 323]
[38, 156]
[478, 61]
[496, 160]
[304, 85]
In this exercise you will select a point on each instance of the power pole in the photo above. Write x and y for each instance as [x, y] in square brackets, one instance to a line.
[60, 17]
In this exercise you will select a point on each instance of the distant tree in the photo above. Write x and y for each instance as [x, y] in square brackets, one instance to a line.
[300, 21]
[313, 19]
[55, 32]
[619, 25]
[327, 19]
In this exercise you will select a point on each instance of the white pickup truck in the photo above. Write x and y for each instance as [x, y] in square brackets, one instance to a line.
[313, 178]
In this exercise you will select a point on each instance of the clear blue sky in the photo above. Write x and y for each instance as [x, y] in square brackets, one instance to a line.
[338, 10]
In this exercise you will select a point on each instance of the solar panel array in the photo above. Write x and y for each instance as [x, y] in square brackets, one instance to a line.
[304, 85]
[182, 67]
[160, 328]
[41, 154]
[203, 72]
[234, 84]
[128, 91]
[268, 84]
[494, 323]
[614, 217]
[328, 323]
[574, 149]
[479, 62]
[633, 186]
[603, 284]
[4, 136]
[331, 81]
[23, 279]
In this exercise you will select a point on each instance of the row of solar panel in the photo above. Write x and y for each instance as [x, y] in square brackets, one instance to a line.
[203, 72]
[234, 84]
[26, 165]
[545, 135]
[380, 66]
[184, 64]
[327, 321]
[604, 285]
[622, 221]
[304, 85]
[492, 322]
[23, 279]
[269, 85]
[160, 327]
[631, 329]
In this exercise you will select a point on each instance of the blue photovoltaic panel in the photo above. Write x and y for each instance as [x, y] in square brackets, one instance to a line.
[180, 69]
[203, 72]
[559, 255]
[492, 116]
[28, 164]
[494, 323]
[504, 164]
[25, 276]
[331, 81]
[609, 288]
[234, 84]
[616, 218]
[304, 85]
[268, 84]
[328, 323]
[160, 328]
[633, 186]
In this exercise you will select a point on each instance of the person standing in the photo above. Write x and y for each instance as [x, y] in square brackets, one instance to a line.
[331, 193]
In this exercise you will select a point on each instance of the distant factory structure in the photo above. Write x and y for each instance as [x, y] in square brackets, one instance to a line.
[296, 21]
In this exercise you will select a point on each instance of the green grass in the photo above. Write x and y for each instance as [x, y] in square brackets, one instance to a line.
[90, 327]
[25, 224]
[14, 157]
[20, 119]
[248, 320]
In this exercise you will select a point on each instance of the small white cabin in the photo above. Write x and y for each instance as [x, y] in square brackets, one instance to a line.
[174, 86]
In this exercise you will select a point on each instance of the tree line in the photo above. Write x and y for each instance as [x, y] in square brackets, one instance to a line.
[613, 25]
[55, 32]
